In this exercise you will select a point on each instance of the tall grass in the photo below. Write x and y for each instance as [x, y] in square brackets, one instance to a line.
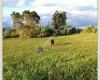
[73, 57]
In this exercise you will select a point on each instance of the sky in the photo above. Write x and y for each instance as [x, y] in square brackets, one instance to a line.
[80, 13]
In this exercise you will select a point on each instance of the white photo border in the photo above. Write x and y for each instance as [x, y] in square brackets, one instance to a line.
[98, 22]
[1, 58]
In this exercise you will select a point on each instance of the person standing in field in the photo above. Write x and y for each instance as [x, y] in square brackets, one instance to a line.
[52, 42]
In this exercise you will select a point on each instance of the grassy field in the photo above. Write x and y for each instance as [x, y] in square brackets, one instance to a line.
[73, 57]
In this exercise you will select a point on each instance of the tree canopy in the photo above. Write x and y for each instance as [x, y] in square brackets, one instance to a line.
[59, 19]
[26, 18]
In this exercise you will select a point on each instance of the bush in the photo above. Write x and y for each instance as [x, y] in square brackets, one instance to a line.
[6, 33]
[24, 33]
[12, 33]
[90, 29]
[71, 30]
[35, 33]
[49, 32]
[29, 32]
[78, 30]
[63, 32]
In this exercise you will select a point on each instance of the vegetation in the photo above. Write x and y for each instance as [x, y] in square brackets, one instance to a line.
[59, 19]
[10, 33]
[73, 57]
[25, 23]
[90, 29]
[26, 26]
[49, 32]
[27, 18]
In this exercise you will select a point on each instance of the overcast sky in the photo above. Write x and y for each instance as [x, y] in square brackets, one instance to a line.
[79, 12]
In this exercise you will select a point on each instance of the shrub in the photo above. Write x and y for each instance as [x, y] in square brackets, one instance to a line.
[71, 30]
[29, 32]
[78, 30]
[35, 33]
[49, 32]
[12, 33]
[6, 33]
[90, 29]
[24, 33]
[63, 32]
[67, 26]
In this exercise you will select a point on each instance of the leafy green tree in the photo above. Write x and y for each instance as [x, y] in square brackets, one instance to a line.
[26, 23]
[26, 18]
[36, 17]
[59, 19]
[30, 18]
[16, 19]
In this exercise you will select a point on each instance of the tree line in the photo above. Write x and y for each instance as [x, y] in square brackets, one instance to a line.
[26, 25]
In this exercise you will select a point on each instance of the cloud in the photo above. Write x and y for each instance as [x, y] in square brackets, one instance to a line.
[71, 3]
[82, 20]
[21, 3]
[10, 3]
[65, 2]
[87, 8]
[16, 3]
[83, 13]
[80, 12]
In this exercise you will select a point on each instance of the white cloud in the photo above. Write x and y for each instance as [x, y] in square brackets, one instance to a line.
[21, 3]
[43, 2]
[84, 13]
[10, 1]
[50, 6]
[65, 2]
[79, 2]
[15, 3]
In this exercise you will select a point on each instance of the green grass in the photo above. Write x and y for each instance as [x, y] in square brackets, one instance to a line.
[73, 57]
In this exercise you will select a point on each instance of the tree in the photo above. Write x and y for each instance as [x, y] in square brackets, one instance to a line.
[27, 18]
[36, 17]
[59, 19]
[30, 18]
[26, 23]
[16, 19]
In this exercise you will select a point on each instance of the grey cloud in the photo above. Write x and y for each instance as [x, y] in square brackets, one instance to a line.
[87, 8]
[82, 21]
